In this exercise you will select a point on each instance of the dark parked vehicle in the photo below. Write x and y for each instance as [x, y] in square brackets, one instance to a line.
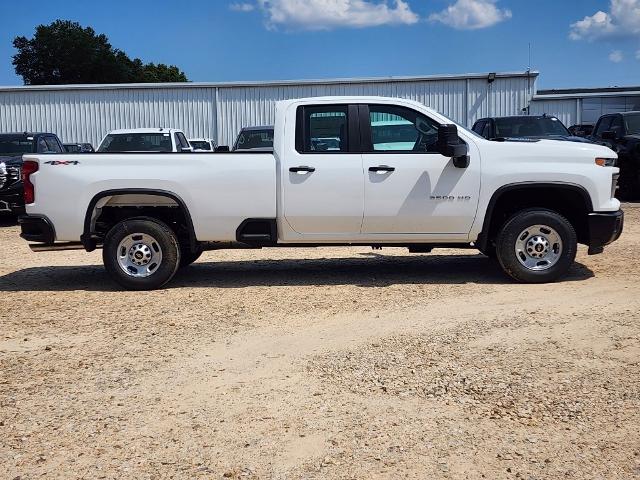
[256, 139]
[581, 130]
[530, 127]
[12, 147]
[79, 148]
[621, 133]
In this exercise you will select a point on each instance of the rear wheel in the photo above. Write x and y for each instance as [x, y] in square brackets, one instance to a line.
[141, 254]
[536, 246]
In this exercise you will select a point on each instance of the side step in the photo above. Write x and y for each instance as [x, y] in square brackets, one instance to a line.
[55, 247]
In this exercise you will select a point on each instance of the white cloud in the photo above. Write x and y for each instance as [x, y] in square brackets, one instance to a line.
[622, 20]
[471, 14]
[616, 56]
[242, 7]
[329, 14]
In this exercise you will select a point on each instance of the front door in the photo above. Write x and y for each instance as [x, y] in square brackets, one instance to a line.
[410, 188]
[323, 191]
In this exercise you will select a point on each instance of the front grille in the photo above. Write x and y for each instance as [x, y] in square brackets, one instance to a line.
[9, 176]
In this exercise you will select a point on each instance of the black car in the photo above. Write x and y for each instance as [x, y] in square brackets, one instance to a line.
[79, 148]
[12, 147]
[581, 130]
[621, 133]
[529, 127]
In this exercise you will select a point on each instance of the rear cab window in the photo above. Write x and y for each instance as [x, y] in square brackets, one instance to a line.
[323, 129]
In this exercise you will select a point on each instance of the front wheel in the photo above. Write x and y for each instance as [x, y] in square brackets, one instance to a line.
[141, 254]
[536, 246]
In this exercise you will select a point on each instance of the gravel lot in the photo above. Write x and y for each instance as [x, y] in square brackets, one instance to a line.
[320, 363]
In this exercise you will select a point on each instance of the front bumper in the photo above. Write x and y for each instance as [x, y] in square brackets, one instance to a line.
[604, 228]
[37, 228]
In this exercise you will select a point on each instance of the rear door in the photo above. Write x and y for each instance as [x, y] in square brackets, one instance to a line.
[322, 179]
[410, 188]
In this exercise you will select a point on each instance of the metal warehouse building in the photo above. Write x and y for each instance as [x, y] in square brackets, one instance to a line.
[85, 113]
[585, 105]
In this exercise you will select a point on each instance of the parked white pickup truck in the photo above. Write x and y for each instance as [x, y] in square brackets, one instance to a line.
[526, 203]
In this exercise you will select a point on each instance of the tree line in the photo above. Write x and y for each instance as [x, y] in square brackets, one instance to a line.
[64, 52]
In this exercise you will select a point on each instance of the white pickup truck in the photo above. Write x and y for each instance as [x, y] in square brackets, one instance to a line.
[396, 174]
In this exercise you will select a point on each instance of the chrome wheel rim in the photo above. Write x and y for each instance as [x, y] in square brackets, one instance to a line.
[139, 255]
[538, 247]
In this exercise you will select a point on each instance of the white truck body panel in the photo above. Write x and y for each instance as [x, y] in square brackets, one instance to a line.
[426, 199]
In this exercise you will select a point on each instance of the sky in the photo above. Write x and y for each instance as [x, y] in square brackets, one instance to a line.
[574, 43]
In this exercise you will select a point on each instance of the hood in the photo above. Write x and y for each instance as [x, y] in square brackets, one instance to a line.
[11, 160]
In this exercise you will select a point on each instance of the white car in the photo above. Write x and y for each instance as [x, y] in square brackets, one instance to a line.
[139, 140]
[528, 204]
[202, 144]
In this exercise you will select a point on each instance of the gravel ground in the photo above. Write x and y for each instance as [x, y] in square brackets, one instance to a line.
[320, 363]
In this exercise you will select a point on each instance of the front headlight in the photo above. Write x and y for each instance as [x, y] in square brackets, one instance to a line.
[606, 162]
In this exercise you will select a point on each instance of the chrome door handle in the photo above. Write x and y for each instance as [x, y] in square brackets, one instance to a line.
[303, 170]
[382, 169]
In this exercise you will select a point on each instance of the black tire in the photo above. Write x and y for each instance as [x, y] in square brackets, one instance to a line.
[166, 242]
[187, 257]
[515, 226]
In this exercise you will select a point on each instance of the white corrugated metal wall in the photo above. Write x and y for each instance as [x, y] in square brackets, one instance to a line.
[567, 110]
[87, 113]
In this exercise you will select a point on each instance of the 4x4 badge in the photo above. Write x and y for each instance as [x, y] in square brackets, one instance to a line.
[62, 162]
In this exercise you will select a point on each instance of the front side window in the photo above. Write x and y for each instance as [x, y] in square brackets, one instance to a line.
[181, 141]
[325, 129]
[53, 145]
[136, 142]
[486, 131]
[479, 126]
[399, 129]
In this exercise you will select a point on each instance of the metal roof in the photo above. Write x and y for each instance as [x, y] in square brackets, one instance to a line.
[269, 83]
[586, 92]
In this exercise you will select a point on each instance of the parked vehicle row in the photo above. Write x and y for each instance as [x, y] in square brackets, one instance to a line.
[368, 171]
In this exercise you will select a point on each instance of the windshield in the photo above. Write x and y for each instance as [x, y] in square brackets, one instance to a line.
[633, 124]
[200, 145]
[15, 146]
[136, 142]
[519, 127]
[249, 139]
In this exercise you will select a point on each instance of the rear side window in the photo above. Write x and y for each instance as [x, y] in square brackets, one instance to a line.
[322, 129]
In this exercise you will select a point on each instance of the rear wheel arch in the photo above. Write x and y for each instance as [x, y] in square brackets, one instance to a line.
[90, 233]
[568, 199]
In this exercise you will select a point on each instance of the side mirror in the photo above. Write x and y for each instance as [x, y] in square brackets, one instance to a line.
[609, 135]
[450, 145]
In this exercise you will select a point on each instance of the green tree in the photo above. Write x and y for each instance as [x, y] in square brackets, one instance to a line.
[66, 53]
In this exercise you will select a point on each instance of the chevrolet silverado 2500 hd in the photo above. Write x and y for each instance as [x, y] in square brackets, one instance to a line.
[528, 204]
